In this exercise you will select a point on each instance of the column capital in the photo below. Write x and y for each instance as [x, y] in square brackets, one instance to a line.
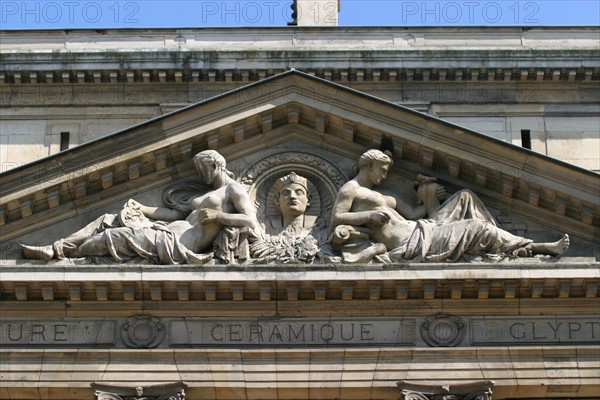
[165, 391]
[479, 390]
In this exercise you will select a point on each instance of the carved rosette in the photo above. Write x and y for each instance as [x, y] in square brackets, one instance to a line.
[443, 330]
[143, 332]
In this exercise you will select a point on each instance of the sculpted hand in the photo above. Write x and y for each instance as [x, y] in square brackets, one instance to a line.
[431, 190]
[208, 215]
[441, 192]
[379, 218]
[134, 207]
[133, 204]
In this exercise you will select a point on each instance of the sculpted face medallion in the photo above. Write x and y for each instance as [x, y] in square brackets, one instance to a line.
[293, 200]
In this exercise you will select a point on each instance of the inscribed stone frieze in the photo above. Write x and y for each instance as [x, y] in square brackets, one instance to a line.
[438, 330]
[293, 332]
[497, 331]
[58, 333]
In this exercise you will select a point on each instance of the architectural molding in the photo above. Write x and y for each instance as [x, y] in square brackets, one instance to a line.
[348, 54]
[306, 38]
[97, 283]
[531, 75]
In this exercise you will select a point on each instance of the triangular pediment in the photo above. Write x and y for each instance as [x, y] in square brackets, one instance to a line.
[286, 112]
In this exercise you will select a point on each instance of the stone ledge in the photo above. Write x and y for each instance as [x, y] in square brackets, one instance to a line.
[361, 38]
[328, 282]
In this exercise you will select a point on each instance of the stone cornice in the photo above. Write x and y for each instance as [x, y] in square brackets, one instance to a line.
[419, 282]
[337, 54]
[417, 71]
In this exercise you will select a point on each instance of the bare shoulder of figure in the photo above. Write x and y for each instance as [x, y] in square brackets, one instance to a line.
[236, 189]
[350, 185]
[348, 190]
[347, 186]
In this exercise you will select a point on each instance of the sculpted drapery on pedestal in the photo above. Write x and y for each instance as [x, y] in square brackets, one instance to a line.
[369, 223]
[366, 223]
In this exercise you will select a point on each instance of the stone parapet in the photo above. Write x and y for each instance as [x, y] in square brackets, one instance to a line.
[340, 38]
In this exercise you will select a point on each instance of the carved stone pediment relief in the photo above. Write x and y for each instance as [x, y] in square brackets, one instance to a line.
[322, 115]
[279, 216]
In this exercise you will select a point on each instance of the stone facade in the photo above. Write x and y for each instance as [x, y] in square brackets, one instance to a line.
[350, 333]
[517, 328]
[537, 84]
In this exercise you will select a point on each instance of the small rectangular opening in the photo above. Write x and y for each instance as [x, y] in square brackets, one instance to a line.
[64, 140]
[526, 138]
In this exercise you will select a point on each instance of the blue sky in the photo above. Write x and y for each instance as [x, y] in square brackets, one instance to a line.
[96, 14]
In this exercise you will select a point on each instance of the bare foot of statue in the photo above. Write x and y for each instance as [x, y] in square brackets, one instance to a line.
[552, 249]
[38, 252]
[366, 253]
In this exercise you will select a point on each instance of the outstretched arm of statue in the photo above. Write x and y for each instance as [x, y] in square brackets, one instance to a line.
[156, 213]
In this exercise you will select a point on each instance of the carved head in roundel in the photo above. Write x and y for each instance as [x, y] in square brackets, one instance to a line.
[291, 195]
[286, 186]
